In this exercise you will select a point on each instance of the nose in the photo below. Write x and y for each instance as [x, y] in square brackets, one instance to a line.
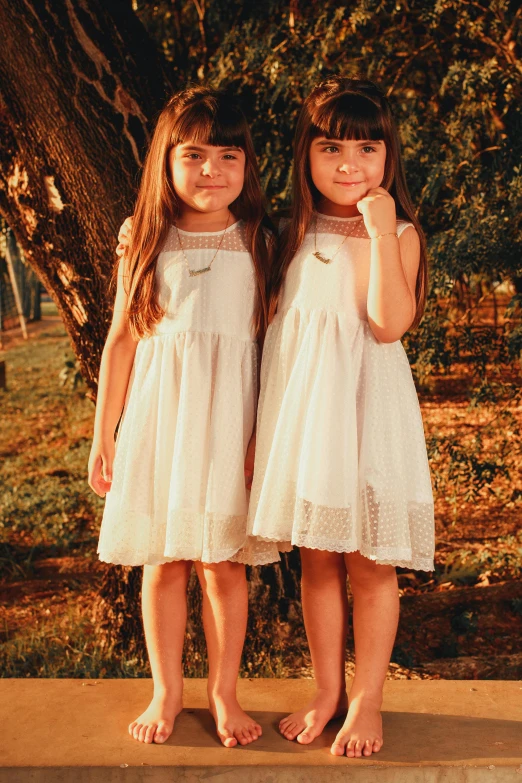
[349, 164]
[210, 168]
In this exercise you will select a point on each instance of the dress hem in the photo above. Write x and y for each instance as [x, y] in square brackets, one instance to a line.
[418, 564]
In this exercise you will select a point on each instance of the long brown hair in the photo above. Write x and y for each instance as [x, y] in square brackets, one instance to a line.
[342, 108]
[204, 116]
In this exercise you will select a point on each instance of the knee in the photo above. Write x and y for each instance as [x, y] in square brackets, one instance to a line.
[319, 568]
[223, 578]
[368, 576]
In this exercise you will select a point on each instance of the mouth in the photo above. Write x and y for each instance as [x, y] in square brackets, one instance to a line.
[349, 184]
[211, 187]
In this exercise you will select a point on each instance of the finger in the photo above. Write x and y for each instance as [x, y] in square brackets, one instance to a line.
[128, 222]
[106, 471]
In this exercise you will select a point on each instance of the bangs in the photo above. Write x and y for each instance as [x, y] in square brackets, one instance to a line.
[349, 116]
[218, 124]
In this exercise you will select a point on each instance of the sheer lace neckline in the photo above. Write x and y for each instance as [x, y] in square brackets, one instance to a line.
[229, 229]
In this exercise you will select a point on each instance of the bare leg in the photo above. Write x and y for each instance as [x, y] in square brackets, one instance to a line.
[225, 607]
[375, 618]
[164, 607]
[325, 610]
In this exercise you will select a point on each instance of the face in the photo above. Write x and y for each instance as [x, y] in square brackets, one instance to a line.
[207, 178]
[344, 171]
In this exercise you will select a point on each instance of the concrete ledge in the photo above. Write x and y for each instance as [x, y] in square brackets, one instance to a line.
[59, 731]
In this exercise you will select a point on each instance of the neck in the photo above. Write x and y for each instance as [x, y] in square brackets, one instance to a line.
[192, 220]
[327, 207]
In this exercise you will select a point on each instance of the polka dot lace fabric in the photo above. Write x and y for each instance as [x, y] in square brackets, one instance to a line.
[178, 490]
[341, 461]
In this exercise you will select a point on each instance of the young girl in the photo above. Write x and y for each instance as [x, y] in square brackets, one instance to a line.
[341, 468]
[181, 362]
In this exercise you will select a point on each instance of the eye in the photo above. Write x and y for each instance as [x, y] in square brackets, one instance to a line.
[368, 148]
[229, 156]
[331, 149]
[193, 155]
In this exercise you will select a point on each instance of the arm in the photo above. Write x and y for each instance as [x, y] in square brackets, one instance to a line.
[394, 264]
[391, 291]
[115, 369]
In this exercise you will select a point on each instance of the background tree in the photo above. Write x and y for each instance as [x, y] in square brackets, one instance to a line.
[80, 82]
[79, 86]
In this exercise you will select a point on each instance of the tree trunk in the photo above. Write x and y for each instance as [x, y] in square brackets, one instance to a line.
[79, 85]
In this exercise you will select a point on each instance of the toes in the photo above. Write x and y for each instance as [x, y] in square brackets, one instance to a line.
[305, 737]
[149, 733]
[367, 748]
[291, 731]
[141, 735]
[162, 733]
[243, 736]
[136, 730]
[377, 745]
[227, 738]
[337, 748]
[350, 751]
[358, 749]
[131, 727]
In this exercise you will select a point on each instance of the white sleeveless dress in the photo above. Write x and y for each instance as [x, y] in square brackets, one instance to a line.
[178, 490]
[341, 462]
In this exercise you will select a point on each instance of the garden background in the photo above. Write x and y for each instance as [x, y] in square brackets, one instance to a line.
[80, 84]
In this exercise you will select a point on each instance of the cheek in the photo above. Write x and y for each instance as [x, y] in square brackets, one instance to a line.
[319, 170]
[179, 176]
[237, 178]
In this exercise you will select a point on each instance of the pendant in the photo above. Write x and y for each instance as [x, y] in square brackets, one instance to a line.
[195, 272]
[321, 257]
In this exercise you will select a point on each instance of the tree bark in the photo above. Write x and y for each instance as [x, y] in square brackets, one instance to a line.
[79, 85]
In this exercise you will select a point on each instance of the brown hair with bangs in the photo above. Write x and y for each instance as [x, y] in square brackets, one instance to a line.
[204, 116]
[342, 108]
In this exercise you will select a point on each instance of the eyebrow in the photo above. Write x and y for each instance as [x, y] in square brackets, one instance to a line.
[329, 142]
[202, 149]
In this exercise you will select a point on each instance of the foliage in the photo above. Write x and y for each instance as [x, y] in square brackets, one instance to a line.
[453, 73]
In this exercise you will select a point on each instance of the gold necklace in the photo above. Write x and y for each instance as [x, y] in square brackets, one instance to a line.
[317, 253]
[195, 272]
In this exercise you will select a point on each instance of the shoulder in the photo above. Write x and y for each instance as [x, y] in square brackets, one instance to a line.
[402, 225]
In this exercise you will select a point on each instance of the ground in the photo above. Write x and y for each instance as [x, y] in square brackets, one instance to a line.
[464, 620]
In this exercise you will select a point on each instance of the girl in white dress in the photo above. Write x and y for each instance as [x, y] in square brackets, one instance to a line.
[180, 367]
[341, 468]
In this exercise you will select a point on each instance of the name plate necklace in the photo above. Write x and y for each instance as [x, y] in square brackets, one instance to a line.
[196, 272]
[317, 253]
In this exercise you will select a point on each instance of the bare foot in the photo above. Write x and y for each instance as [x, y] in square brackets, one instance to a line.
[232, 723]
[361, 734]
[157, 722]
[308, 723]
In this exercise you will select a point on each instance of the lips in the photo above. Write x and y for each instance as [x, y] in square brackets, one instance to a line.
[350, 184]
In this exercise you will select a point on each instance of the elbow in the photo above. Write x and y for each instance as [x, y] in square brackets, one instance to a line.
[388, 334]
[120, 342]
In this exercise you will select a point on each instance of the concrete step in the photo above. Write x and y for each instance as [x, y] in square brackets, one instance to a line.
[60, 731]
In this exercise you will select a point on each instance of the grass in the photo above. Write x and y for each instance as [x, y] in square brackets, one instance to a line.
[49, 522]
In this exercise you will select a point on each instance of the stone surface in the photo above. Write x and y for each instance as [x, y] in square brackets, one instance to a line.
[434, 730]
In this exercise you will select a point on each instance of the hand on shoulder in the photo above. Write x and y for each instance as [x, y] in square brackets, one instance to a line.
[124, 236]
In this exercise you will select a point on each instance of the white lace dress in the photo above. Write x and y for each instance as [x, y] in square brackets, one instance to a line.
[178, 490]
[341, 461]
